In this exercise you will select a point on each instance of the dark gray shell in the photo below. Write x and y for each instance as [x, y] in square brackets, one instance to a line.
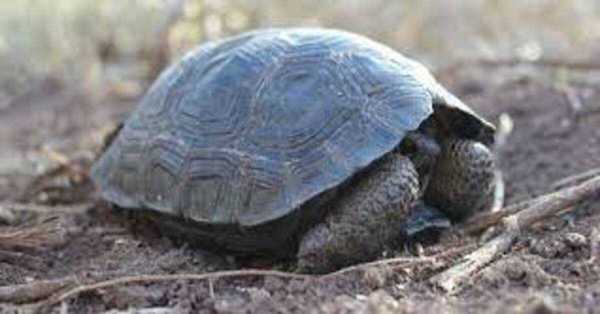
[245, 130]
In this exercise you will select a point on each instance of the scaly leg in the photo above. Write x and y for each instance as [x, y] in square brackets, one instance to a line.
[366, 218]
[462, 182]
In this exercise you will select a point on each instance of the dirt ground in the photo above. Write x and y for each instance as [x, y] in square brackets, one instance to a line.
[549, 270]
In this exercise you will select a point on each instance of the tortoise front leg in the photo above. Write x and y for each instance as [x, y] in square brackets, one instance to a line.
[462, 182]
[366, 218]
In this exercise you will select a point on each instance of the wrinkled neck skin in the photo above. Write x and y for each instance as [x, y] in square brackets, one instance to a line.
[423, 148]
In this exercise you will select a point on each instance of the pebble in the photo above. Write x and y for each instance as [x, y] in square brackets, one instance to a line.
[575, 240]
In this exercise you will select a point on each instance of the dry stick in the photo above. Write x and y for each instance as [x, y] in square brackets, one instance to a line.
[503, 131]
[37, 235]
[64, 161]
[481, 222]
[157, 278]
[211, 277]
[397, 261]
[455, 276]
[34, 236]
[576, 178]
[576, 193]
[34, 291]
[403, 261]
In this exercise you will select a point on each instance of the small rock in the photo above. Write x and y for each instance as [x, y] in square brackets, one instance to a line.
[575, 240]
[543, 305]
[550, 248]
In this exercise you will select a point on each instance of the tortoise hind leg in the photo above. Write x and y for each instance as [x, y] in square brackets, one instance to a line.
[463, 179]
[365, 218]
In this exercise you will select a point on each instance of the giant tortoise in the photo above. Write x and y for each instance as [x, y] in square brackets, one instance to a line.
[311, 142]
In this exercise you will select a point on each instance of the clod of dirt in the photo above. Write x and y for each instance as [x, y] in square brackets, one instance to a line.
[575, 240]
[522, 270]
[377, 277]
[135, 296]
[549, 248]
[542, 305]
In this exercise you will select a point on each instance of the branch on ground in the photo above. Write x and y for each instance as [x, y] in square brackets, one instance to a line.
[561, 199]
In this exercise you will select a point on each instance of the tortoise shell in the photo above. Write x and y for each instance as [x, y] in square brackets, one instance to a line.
[245, 130]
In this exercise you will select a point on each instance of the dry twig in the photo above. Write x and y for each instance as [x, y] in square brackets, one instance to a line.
[562, 198]
[503, 131]
[158, 278]
[397, 262]
[576, 178]
[73, 169]
[393, 262]
[544, 208]
[212, 277]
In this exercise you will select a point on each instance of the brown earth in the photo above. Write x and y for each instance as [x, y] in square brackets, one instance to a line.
[550, 268]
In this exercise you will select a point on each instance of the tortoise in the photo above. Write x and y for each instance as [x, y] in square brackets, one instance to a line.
[311, 142]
